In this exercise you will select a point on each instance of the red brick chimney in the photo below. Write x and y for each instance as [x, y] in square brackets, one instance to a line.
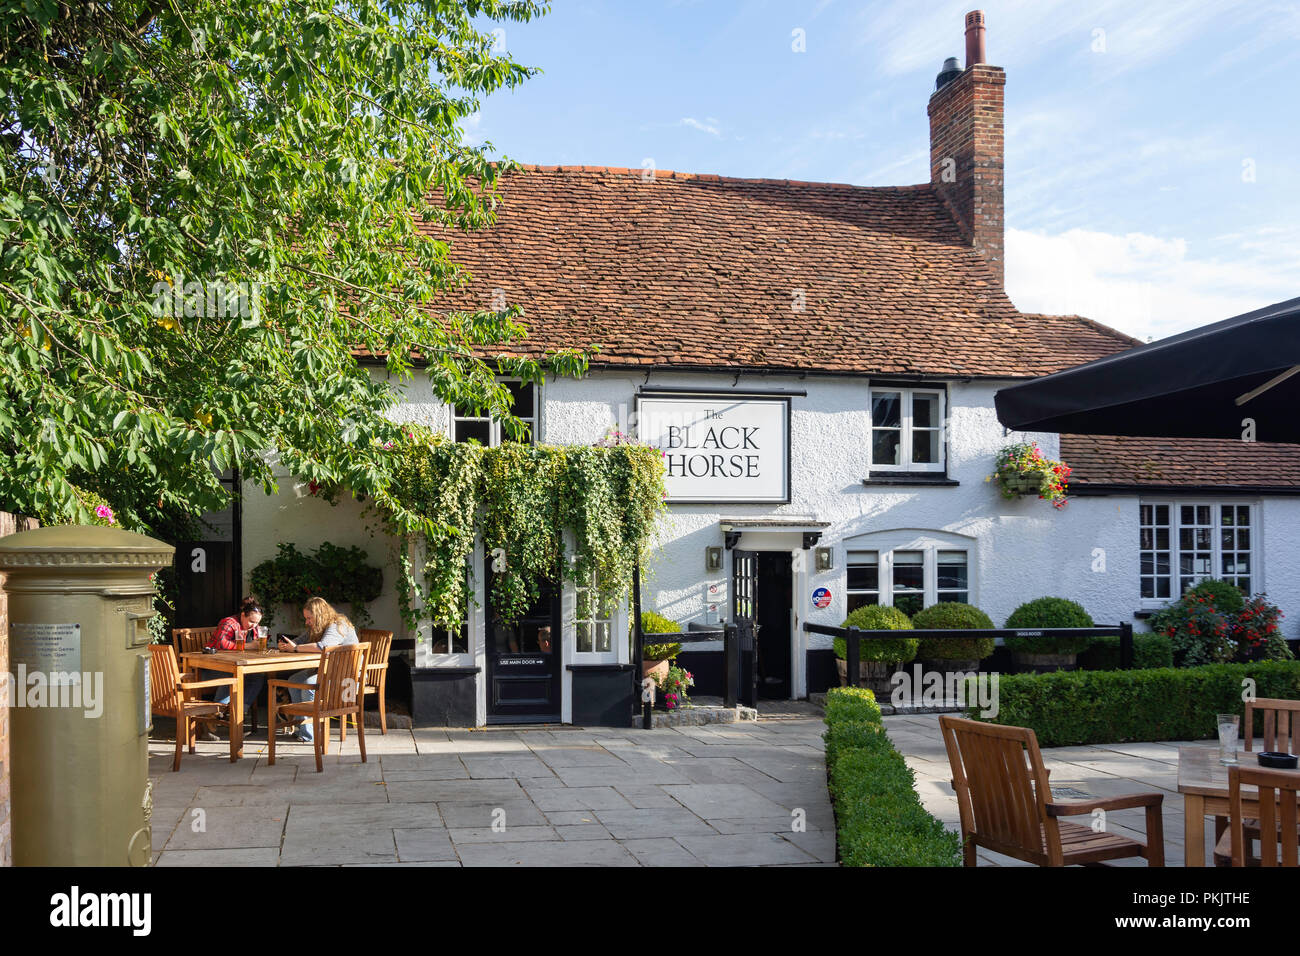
[966, 144]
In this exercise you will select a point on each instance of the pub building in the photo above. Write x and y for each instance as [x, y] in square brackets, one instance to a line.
[818, 363]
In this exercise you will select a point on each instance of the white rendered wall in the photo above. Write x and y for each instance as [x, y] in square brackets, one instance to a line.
[1020, 549]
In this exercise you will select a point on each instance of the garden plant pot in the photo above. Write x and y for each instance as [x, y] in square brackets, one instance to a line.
[1037, 663]
[950, 667]
[656, 669]
[1023, 484]
[876, 676]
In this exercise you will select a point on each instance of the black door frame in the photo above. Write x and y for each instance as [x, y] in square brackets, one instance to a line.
[744, 612]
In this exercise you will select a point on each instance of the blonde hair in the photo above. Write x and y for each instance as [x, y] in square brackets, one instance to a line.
[322, 616]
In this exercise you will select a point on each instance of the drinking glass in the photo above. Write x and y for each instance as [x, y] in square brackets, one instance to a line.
[261, 638]
[1228, 724]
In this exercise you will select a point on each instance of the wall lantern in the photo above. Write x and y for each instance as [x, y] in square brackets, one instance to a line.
[825, 559]
[713, 558]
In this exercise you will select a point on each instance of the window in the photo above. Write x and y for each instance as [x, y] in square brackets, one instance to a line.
[442, 640]
[909, 581]
[476, 425]
[916, 574]
[445, 642]
[952, 579]
[593, 619]
[864, 578]
[1181, 544]
[906, 429]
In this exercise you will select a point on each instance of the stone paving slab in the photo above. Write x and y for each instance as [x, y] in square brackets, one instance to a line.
[689, 796]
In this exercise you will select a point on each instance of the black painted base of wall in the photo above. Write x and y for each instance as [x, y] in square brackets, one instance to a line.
[707, 669]
[444, 697]
[822, 672]
[602, 695]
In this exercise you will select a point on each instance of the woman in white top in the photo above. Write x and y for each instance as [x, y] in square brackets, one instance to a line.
[325, 627]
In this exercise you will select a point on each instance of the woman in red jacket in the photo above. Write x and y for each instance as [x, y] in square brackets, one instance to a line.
[241, 625]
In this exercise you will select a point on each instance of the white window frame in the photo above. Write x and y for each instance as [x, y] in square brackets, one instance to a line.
[1216, 545]
[618, 630]
[850, 592]
[495, 432]
[472, 656]
[906, 396]
[929, 543]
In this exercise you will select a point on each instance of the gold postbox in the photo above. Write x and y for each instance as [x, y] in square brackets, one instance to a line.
[80, 599]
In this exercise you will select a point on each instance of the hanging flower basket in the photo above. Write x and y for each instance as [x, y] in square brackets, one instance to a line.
[1023, 470]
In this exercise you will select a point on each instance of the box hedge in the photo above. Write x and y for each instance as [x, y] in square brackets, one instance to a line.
[1067, 708]
[1048, 612]
[879, 819]
[879, 617]
[953, 616]
[1149, 650]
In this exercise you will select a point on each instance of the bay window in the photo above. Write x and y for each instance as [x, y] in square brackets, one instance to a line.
[907, 572]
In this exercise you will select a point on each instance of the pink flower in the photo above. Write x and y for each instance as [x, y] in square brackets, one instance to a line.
[105, 512]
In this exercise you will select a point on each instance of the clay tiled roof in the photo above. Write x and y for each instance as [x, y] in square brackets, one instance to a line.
[704, 271]
[1176, 463]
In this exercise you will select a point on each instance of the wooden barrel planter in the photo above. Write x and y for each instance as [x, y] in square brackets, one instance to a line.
[1043, 663]
[876, 676]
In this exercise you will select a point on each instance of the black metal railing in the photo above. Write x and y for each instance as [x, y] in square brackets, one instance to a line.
[733, 637]
[853, 636]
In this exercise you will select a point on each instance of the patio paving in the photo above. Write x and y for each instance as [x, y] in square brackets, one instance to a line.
[1094, 770]
[715, 795]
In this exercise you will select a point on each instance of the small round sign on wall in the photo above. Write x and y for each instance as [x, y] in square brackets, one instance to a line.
[821, 598]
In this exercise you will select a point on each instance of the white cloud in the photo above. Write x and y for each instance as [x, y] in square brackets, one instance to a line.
[709, 126]
[471, 129]
[1145, 285]
[905, 38]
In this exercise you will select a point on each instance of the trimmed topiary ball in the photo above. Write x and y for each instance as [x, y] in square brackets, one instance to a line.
[1048, 612]
[877, 617]
[953, 616]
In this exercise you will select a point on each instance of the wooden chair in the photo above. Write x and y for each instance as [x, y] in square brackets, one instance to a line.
[1279, 797]
[1279, 736]
[1278, 722]
[381, 643]
[191, 640]
[339, 692]
[169, 696]
[1006, 806]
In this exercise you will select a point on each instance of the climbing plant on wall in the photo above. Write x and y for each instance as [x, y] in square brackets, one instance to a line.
[522, 499]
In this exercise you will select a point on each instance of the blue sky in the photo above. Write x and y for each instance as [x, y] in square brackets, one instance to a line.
[1152, 148]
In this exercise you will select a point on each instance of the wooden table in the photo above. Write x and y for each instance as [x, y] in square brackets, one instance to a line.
[1203, 782]
[239, 663]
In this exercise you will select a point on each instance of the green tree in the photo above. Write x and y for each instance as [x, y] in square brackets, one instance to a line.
[208, 211]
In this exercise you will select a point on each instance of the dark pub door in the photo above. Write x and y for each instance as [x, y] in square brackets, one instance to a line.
[523, 661]
[208, 571]
[775, 596]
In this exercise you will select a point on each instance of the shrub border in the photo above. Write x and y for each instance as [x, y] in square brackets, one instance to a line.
[1070, 708]
[879, 820]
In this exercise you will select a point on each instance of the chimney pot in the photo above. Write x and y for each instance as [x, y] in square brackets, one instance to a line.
[974, 38]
